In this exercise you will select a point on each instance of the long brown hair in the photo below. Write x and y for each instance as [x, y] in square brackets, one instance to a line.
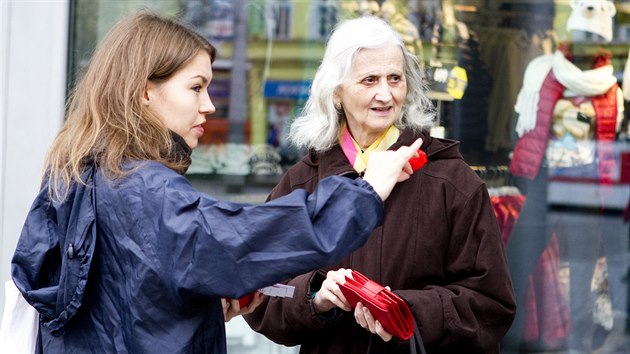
[106, 121]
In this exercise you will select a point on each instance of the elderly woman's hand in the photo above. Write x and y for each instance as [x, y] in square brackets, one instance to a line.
[329, 295]
[364, 318]
[386, 168]
[232, 307]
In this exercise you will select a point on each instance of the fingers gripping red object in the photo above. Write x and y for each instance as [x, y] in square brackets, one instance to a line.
[246, 300]
[417, 162]
[388, 308]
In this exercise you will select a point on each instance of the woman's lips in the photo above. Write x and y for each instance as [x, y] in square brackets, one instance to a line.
[199, 129]
[382, 110]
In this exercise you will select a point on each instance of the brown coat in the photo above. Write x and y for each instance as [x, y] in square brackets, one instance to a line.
[439, 248]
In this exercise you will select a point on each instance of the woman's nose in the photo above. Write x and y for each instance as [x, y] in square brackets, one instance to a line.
[207, 107]
[383, 92]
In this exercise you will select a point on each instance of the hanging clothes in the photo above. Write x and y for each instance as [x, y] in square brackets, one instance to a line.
[547, 318]
[506, 52]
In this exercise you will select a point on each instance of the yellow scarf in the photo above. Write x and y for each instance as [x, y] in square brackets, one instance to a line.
[358, 159]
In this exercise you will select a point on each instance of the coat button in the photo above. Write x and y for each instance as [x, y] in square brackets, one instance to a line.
[70, 251]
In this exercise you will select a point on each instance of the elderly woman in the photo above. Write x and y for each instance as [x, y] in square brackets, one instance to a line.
[439, 247]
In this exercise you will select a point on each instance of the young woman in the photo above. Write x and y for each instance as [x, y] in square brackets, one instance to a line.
[119, 254]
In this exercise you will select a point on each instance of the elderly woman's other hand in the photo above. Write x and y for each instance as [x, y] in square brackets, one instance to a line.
[364, 318]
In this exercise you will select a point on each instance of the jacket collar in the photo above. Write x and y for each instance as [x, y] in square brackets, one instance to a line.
[181, 152]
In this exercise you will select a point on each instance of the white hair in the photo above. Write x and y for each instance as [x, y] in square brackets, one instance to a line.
[318, 125]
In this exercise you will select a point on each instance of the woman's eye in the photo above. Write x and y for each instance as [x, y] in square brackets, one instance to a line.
[197, 88]
[369, 80]
[394, 78]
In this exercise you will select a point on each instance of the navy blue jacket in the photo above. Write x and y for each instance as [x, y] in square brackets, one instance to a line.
[140, 265]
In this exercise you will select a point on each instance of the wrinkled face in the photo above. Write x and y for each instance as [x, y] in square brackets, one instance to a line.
[183, 101]
[373, 93]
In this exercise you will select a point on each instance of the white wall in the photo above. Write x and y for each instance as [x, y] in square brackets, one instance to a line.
[33, 51]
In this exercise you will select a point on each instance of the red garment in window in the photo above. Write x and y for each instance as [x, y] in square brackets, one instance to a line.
[547, 318]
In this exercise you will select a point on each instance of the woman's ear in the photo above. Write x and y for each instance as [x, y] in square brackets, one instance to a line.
[147, 93]
[336, 98]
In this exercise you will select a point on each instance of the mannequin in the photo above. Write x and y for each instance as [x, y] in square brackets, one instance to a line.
[569, 114]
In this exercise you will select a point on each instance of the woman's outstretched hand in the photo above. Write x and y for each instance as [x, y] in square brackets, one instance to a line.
[386, 168]
[232, 307]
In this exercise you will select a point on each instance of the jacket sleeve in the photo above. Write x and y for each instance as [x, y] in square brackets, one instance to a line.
[473, 308]
[227, 249]
[291, 321]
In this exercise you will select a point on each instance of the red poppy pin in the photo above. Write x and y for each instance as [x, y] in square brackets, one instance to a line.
[417, 162]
